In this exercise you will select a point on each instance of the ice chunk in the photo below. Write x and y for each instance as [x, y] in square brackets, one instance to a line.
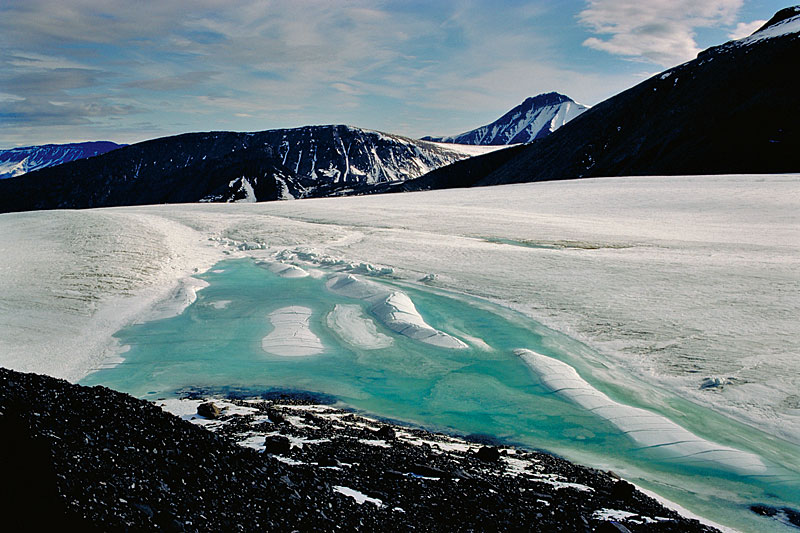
[286, 271]
[184, 295]
[394, 308]
[349, 322]
[292, 336]
[647, 429]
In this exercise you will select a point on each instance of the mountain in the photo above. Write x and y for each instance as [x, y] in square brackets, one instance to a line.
[17, 161]
[536, 117]
[229, 166]
[734, 109]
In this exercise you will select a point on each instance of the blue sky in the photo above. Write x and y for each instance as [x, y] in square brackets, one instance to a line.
[74, 70]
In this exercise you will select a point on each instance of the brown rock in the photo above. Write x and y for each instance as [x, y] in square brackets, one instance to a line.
[209, 410]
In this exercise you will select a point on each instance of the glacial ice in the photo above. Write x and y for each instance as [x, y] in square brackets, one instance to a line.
[691, 277]
[697, 276]
[394, 308]
[292, 336]
[645, 428]
[349, 322]
[181, 297]
[286, 271]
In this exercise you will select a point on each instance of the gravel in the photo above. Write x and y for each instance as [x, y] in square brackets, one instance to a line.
[100, 460]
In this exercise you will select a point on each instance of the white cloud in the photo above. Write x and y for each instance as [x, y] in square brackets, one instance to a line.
[263, 64]
[658, 31]
[743, 29]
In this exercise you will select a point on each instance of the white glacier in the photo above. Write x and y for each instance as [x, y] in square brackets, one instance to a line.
[672, 280]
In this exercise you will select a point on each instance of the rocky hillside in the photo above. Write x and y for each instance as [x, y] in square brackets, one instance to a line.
[735, 109]
[91, 459]
[229, 167]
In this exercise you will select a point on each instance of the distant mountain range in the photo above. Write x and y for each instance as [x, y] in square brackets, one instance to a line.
[229, 167]
[535, 118]
[733, 110]
[17, 161]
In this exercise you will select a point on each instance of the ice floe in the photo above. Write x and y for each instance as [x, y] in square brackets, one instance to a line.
[292, 336]
[184, 295]
[286, 271]
[394, 308]
[348, 321]
[647, 429]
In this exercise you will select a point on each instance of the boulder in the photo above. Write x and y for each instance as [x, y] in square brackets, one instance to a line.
[488, 453]
[276, 445]
[209, 410]
[275, 417]
[622, 490]
[428, 471]
[385, 433]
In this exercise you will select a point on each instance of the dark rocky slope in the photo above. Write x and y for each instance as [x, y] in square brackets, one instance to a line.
[228, 166]
[95, 459]
[734, 109]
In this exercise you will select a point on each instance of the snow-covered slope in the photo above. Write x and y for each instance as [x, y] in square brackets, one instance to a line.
[784, 22]
[536, 117]
[17, 161]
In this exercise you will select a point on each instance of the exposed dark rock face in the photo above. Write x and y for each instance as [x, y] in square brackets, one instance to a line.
[734, 109]
[227, 167]
[95, 459]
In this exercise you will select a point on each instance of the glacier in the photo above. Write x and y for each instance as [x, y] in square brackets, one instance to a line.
[673, 279]
[669, 283]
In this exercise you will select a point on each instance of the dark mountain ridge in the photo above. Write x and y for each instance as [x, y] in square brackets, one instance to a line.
[735, 109]
[228, 166]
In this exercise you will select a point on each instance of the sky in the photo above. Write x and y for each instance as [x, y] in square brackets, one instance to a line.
[128, 70]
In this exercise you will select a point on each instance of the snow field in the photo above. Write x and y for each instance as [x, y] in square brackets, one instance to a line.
[671, 280]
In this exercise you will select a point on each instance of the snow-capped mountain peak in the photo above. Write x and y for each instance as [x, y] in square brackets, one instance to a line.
[784, 22]
[536, 117]
[17, 161]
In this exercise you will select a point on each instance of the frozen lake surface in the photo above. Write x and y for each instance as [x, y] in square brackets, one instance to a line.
[677, 295]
